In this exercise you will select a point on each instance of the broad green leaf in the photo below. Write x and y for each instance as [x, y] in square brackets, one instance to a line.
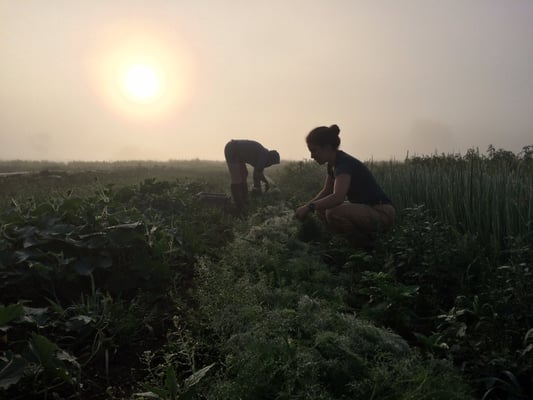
[64, 356]
[31, 241]
[25, 231]
[37, 316]
[95, 240]
[42, 350]
[50, 357]
[11, 370]
[78, 323]
[197, 376]
[10, 313]
[20, 256]
[171, 383]
[86, 265]
[191, 382]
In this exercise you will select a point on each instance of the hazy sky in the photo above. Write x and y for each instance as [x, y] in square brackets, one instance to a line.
[395, 75]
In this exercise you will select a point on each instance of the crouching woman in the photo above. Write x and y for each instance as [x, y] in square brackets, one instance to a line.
[351, 201]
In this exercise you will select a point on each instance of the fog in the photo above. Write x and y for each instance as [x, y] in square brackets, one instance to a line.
[417, 76]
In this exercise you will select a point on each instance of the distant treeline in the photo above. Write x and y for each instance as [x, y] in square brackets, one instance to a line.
[34, 166]
[491, 154]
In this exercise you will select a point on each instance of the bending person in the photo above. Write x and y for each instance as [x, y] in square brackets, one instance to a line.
[367, 209]
[238, 153]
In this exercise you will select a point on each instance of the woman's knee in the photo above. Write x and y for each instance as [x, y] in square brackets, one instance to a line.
[338, 223]
[356, 217]
[387, 216]
[328, 216]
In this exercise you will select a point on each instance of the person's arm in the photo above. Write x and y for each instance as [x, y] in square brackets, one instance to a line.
[332, 195]
[267, 185]
[326, 190]
[340, 190]
[259, 177]
[302, 211]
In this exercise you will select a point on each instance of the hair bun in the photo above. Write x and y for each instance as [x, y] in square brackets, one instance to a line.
[335, 129]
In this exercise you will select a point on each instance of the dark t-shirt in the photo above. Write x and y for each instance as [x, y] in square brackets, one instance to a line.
[249, 152]
[363, 186]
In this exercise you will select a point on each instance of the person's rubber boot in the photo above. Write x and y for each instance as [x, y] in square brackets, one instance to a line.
[244, 192]
[236, 194]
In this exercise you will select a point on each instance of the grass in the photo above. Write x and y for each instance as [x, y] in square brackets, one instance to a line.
[484, 196]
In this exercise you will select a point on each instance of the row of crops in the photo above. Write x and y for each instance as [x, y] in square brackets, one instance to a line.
[141, 291]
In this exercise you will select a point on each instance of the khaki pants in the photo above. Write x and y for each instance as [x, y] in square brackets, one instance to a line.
[360, 218]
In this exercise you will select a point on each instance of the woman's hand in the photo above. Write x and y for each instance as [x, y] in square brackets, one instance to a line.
[302, 211]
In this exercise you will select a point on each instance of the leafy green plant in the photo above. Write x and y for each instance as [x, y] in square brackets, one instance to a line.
[171, 389]
[390, 302]
[47, 358]
[278, 335]
[284, 309]
[42, 366]
[12, 369]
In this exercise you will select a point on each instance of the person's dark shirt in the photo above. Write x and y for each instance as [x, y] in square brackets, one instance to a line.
[363, 186]
[253, 153]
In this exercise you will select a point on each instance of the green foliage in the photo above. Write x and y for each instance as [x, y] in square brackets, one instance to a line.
[432, 379]
[84, 178]
[12, 369]
[171, 372]
[10, 313]
[279, 334]
[40, 365]
[49, 359]
[485, 336]
[423, 251]
[99, 268]
[133, 240]
[171, 389]
[143, 291]
[486, 196]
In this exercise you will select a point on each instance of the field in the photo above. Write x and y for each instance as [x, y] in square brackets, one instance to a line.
[117, 282]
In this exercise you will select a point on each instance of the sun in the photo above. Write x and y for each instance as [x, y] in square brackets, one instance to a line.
[141, 75]
[142, 83]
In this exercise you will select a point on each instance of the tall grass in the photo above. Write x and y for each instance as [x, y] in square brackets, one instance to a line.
[486, 195]
[490, 196]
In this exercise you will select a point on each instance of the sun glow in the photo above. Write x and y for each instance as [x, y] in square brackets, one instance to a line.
[140, 74]
[142, 83]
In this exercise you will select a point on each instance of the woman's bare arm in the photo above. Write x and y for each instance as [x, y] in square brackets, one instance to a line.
[326, 190]
[341, 184]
